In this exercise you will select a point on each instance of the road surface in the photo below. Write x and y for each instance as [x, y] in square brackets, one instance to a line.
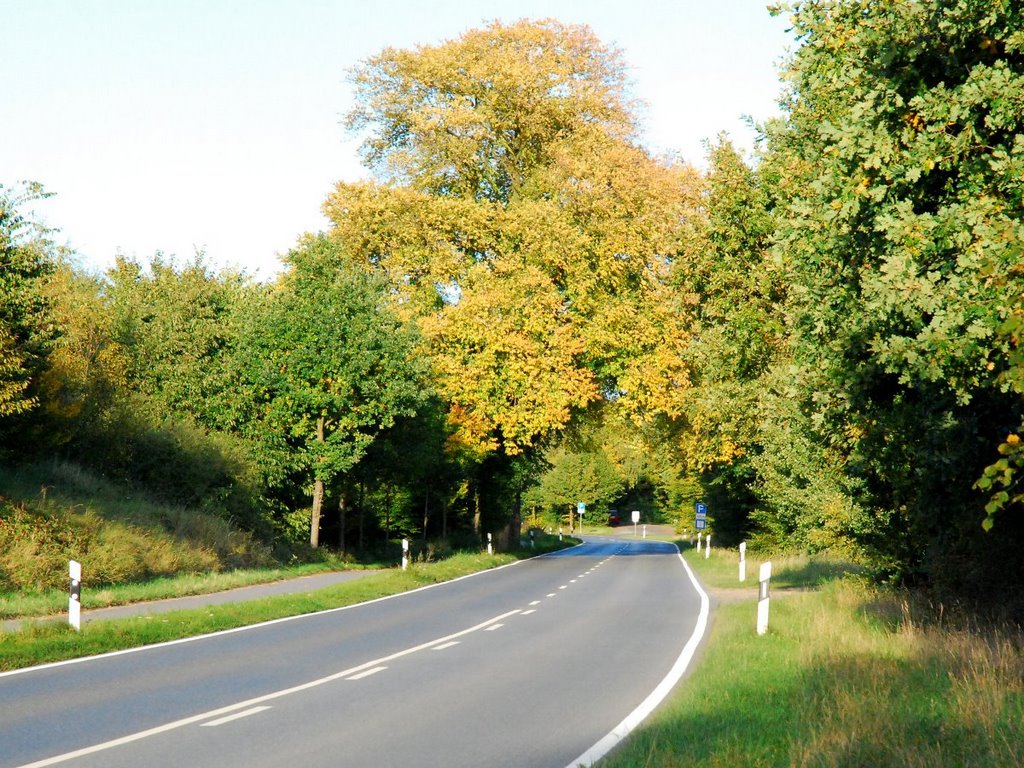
[528, 665]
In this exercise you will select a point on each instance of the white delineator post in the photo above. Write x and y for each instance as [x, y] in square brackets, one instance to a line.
[700, 535]
[762, 597]
[743, 561]
[75, 595]
[490, 545]
[707, 547]
[405, 554]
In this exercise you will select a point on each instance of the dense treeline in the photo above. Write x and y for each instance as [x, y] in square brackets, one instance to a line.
[525, 309]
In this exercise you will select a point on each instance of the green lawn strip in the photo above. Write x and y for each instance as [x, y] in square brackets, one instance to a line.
[18, 605]
[839, 680]
[48, 642]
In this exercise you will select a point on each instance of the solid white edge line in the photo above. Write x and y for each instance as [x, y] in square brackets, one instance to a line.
[247, 627]
[638, 715]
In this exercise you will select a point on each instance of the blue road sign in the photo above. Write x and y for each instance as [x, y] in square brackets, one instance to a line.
[701, 509]
[700, 523]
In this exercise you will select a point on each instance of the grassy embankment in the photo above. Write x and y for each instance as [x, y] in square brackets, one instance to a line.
[848, 675]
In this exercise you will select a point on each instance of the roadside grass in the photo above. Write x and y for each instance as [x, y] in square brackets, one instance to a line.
[848, 676]
[47, 642]
[51, 512]
[55, 601]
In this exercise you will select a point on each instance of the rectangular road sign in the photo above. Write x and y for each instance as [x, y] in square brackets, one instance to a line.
[700, 523]
[701, 510]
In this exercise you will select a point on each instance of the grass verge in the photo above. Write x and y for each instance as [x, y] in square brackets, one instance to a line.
[43, 643]
[39, 604]
[847, 675]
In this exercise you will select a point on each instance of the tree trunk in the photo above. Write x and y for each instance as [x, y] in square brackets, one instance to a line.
[342, 519]
[426, 514]
[318, 494]
[362, 512]
[476, 513]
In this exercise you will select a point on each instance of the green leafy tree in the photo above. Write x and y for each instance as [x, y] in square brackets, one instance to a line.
[330, 366]
[901, 237]
[26, 330]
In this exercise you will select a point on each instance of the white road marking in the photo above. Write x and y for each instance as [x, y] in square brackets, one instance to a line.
[638, 715]
[236, 716]
[231, 708]
[564, 586]
[494, 627]
[367, 673]
[550, 594]
[447, 645]
[528, 612]
[535, 602]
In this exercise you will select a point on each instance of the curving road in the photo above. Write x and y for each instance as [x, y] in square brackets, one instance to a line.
[528, 665]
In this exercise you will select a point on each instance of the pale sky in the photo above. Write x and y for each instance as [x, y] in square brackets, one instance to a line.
[177, 125]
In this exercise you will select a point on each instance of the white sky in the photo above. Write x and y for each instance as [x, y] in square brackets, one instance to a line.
[177, 125]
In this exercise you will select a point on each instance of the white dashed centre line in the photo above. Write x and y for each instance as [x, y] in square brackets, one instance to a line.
[366, 673]
[443, 646]
[494, 627]
[528, 612]
[236, 716]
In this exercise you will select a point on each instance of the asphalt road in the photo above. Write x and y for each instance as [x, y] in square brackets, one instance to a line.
[528, 665]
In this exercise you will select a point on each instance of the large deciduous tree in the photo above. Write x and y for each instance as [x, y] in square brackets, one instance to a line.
[902, 239]
[26, 330]
[330, 366]
[517, 217]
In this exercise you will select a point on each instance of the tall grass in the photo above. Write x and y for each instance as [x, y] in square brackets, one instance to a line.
[848, 675]
[50, 513]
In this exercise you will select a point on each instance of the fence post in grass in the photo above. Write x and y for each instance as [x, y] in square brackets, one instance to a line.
[743, 561]
[762, 597]
[707, 547]
[490, 545]
[75, 595]
[405, 554]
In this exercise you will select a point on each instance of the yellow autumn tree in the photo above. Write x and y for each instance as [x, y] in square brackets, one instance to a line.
[521, 224]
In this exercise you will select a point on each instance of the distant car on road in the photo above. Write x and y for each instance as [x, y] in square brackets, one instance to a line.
[613, 519]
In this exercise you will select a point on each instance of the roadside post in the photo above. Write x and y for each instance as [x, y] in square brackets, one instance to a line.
[707, 547]
[490, 545]
[762, 597]
[581, 508]
[700, 536]
[743, 561]
[645, 530]
[405, 554]
[75, 595]
[533, 536]
[636, 519]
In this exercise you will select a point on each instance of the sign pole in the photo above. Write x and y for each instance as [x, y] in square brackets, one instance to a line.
[743, 561]
[636, 519]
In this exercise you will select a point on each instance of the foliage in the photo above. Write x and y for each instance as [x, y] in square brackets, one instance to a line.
[520, 224]
[330, 366]
[26, 331]
[900, 235]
